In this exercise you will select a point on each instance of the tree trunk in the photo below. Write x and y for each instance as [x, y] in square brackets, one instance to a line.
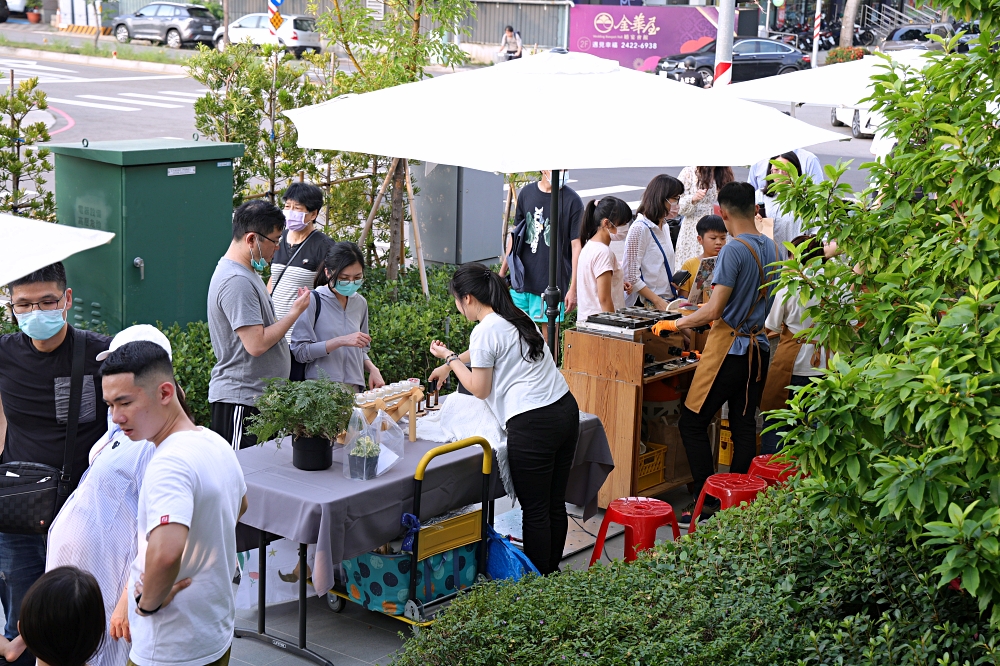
[396, 222]
[225, 22]
[847, 24]
[97, 18]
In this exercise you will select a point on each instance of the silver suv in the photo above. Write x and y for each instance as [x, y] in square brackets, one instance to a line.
[174, 24]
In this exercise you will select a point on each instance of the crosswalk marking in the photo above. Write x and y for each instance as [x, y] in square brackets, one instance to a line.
[132, 101]
[157, 97]
[182, 94]
[614, 189]
[93, 105]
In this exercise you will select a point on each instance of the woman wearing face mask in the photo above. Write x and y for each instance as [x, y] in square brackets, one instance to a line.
[649, 252]
[331, 337]
[512, 370]
[602, 284]
[302, 248]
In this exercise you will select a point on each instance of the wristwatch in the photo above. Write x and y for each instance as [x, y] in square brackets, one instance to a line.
[141, 611]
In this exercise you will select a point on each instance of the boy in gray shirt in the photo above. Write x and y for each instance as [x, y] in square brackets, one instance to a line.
[248, 341]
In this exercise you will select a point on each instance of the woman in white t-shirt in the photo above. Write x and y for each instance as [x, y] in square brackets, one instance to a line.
[601, 283]
[513, 371]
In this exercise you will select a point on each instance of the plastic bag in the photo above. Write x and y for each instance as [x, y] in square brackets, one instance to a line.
[372, 449]
[503, 560]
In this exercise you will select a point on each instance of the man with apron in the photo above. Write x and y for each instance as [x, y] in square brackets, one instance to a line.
[733, 367]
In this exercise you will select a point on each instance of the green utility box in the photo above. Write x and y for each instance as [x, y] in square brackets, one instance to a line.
[169, 204]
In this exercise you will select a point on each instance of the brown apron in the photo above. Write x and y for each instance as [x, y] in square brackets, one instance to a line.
[720, 341]
[779, 373]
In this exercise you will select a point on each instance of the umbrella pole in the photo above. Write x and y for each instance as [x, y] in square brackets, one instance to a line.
[378, 202]
[552, 294]
[417, 250]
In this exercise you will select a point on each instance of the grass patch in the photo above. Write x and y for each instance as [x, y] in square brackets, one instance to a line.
[125, 52]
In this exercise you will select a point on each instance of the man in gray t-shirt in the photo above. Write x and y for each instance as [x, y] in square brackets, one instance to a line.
[248, 342]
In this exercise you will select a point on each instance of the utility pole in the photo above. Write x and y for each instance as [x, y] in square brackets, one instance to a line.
[724, 43]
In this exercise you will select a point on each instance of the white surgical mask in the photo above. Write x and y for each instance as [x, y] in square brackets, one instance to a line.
[620, 233]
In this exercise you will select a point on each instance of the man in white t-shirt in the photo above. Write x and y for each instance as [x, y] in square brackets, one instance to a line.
[191, 499]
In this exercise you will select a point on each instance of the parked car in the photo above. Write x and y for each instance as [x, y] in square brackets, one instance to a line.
[4, 11]
[863, 122]
[752, 59]
[297, 33]
[174, 24]
[914, 36]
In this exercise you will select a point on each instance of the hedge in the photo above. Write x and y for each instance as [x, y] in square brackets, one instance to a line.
[771, 584]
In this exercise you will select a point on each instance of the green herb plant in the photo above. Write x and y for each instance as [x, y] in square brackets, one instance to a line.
[310, 408]
[366, 447]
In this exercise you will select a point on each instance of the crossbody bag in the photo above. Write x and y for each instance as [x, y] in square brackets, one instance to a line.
[32, 493]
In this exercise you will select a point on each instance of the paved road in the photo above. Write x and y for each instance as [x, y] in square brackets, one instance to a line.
[101, 103]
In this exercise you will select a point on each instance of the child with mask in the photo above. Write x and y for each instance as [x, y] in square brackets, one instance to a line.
[331, 337]
[602, 284]
[301, 250]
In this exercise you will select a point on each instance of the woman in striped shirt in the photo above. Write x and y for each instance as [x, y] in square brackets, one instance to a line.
[301, 250]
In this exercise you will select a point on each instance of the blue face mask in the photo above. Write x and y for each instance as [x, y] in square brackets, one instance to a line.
[348, 287]
[258, 264]
[41, 324]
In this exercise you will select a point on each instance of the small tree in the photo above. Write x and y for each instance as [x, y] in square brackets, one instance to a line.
[23, 164]
[904, 428]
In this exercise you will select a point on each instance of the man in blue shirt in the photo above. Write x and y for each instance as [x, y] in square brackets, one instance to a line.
[733, 367]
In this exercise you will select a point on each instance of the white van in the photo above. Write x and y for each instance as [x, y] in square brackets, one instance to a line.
[297, 33]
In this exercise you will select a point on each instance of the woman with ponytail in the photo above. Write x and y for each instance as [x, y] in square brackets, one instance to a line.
[601, 283]
[513, 371]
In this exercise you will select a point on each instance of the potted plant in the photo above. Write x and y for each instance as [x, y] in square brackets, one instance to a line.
[313, 412]
[32, 10]
[363, 458]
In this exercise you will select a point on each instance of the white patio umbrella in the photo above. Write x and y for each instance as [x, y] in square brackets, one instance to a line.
[30, 244]
[842, 84]
[570, 111]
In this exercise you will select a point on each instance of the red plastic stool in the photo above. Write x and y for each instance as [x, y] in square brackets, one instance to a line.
[640, 516]
[730, 489]
[772, 472]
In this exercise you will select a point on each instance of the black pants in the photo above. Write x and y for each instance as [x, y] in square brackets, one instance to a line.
[540, 449]
[730, 386]
[229, 421]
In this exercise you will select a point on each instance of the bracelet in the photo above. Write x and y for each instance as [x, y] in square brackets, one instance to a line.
[453, 357]
[142, 611]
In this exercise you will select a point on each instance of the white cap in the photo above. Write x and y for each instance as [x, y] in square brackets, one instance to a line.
[135, 334]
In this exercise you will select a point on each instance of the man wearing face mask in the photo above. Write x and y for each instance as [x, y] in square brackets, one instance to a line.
[247, 337]
[532, 226]
[35, 371]
[299, 256]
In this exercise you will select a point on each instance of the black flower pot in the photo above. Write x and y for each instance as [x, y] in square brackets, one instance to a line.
[312, 454]
[363, 468]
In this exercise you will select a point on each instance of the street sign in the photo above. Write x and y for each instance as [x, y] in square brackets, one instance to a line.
[276, 20]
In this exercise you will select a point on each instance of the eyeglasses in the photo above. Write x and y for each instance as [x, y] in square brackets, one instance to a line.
[47, 304]
[276, 242]
[674, 200]
[344, 283]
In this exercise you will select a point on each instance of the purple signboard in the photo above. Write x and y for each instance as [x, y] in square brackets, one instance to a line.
[638, 37]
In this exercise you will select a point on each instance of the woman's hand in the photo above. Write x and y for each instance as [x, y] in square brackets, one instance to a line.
[440, 375]
[629, 288]
[438, 350]
[119, 621]
[375, 378]
[358, 339]
[698, 196]
[660, 304]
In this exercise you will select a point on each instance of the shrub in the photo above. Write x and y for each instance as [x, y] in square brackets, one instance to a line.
[193, 359]
[847, 54]
[903, 428]
[771, 584]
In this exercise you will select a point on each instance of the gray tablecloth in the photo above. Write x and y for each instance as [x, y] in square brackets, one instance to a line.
[346, 518]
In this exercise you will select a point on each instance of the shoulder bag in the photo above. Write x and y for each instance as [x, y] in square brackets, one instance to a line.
[515, 267]
[32, 493]
[666, 264]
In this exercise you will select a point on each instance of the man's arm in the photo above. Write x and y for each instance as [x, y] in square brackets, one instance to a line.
[258, 339]
[708, 312]
[164, 549]
[243, 507]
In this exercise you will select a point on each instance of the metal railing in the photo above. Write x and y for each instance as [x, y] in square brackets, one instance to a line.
[882, 21]
[541, 22]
